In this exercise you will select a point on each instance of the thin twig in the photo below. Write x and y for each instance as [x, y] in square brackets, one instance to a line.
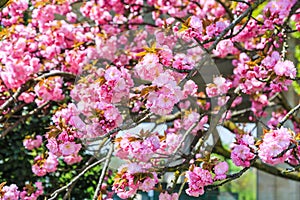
[103, 172]
[22, 119]
[214, 122]
[181, 142]
[287, 116]
[56, 192]
[32, 82]
[234, 23]
[231, 177]
[181, 188]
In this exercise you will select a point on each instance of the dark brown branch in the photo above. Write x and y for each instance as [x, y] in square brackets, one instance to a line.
[234, 23]
[31, 82]
[230, 178]
[214, 122]
[258, 164]
[22, 119]
[226, 8]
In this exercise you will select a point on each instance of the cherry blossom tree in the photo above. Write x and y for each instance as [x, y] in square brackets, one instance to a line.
[91, 74]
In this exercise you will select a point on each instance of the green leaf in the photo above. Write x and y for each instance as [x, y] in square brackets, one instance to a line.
[259, 9]
[296, 87]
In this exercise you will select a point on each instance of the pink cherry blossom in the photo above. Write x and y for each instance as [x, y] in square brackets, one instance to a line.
[10, 192]
[274, 143]
[30, 143]
[68, 148]
[50, 89]
[42, 166]
[131, 177]
[197, 179]
[167, 196]
[220, 170]
[32, 195]
[285, 68]
[138, 147]
[241, 155]
[149, 68]
[219, 86]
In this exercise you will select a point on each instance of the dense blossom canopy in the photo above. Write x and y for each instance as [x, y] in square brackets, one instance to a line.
[101, 68]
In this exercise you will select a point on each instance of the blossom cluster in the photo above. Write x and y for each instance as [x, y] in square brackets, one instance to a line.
[262, 79]
[132, 177]
[62, 137]
[243, 150]
[197, 179]
[162, 100]
[31, 143]
[136, 147]
[167, 196]
[145, 71]
[274, 148]
[219, 86]
[29, 192]
[9, 192]
[44, 164]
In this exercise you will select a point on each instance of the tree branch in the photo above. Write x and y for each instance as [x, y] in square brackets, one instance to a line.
[56, 192]
[103, 172]
[287, 116]
[6, 131]
[31, 82]
[234, 23]
[213, 124]
[181, 142]
[258, 164]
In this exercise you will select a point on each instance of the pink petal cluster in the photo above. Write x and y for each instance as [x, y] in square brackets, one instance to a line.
[198, 178]
[243, 151]
[276, 118]
[262, 79]
[50, 89]
[182, 62]
[285, 68]
[167, 196]
[274, 143]
[133, 177]
[276, 11]
[193, 117]
[149, 67]
[12, 13]
[224, 48]
[10, 192]
[171, 142]
[42, 166]
[220, 170]
[162, 101]
[31, 143]
[32, 195]
[96, 98]
[106, 118]
[253, 79]
[219, 86]
[137, 147]
[27, 97]
[61, 138]
[189, 89]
